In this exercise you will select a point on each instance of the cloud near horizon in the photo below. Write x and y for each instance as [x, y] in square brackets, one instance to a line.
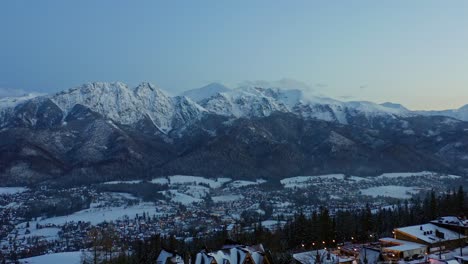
[11, 92]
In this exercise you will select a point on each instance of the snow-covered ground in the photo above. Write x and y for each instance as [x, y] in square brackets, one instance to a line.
[227, 198]
[393, 191]
[273, 224]
[97, 215]
[405, 174]
[49, 233]
[63, 257]
[191, 180]
[358, 179]
[240, 183]
[161, 181]
[197, 191]
[12, 190]
[182, 198]
[125, 182]
[304, 181]
[453, 177]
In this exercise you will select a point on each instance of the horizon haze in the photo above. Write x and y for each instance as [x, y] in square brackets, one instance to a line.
[409, 53]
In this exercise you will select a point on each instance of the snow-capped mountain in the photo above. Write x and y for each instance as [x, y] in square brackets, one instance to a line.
[258, 101]
[120, 103]
[109, 131]
[460, 113]
[204, 92]
[151, 105]
[146, 102]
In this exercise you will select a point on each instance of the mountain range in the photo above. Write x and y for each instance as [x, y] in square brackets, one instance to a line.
[109, 131]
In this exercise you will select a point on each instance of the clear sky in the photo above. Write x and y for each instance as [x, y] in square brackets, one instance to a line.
[411, 52]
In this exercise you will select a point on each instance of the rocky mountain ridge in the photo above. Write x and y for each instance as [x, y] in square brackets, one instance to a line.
[107, 131]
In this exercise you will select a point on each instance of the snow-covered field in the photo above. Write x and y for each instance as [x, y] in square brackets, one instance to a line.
[273, 224]
[240, 183]
[393, 191]
[100, 214]
[185, 179]
[358, 179]
[405, 174]
[182, 198]
[452, 177]
[197, 191]
[49, 233]
[304, 181]
[227, 198]
[12, 190]
[125, 182]
[63, 257]
[162, 181]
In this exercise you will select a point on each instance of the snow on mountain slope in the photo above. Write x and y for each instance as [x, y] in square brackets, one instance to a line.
[245, 102]
[373, 109]
[460, 113]
[127, 106]
[205, 91]
[114, 100]
[7, 105]
[249, 101]
[395, 106]
[9, 102]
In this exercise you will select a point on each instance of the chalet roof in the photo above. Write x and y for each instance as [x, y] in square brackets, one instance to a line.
[430, 233]
[164, 255]
[372, 255]
[309, 257]
[401, 245]
[233, 254]
[451, 220]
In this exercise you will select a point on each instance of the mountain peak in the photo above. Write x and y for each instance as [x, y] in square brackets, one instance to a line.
[206, 91]
[463, 108]
[394, 106]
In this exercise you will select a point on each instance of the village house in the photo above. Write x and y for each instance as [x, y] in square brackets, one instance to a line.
[234, 254]
[320, 256]
[395, 249]
[436, 238]
[453, 223]
[169, 257]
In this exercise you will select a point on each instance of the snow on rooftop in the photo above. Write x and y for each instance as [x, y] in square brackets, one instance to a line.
[309, 257]
[233, 254]
[451, 220]
[427, 233]
[165, 255]
[401, 245]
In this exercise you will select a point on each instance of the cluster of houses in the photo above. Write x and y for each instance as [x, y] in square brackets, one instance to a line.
[230, 253]
[437, 242]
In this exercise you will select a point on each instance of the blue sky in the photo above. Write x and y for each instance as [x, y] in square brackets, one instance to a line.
[411, 52]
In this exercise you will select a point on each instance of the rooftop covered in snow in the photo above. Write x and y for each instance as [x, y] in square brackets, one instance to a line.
[429, 233]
